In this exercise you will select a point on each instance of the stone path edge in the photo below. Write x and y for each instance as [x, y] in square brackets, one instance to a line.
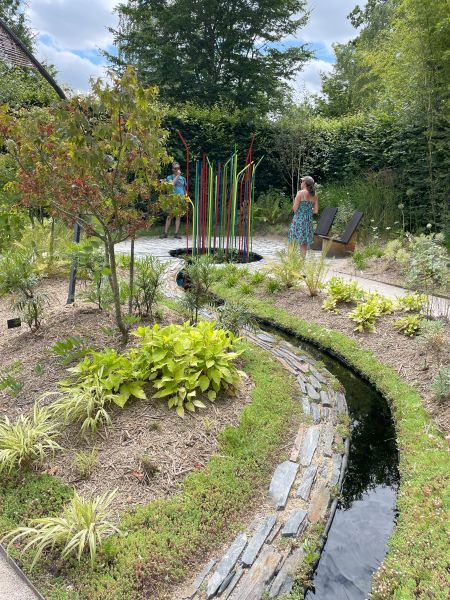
[12, 563]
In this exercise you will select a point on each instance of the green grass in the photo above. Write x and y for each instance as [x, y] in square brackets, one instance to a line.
[166, 537]
[417, 561]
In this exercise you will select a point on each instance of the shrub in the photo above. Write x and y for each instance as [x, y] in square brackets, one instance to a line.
[234, 317]
[339, 290]
[18, 277]
[149, 276]
[409, 325]
[441, 385]
[82, 526]
[181, 361]
[288, 271]
[200, 274]
[364, 315]
[30, 439]
[101, 378]
[428, 264]
[85, 463]
[70, 349]
[91, 261]
[432, 335]
[8, 381]
[272, 207]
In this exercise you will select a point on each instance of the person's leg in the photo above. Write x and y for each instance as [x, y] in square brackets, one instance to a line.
[177, 226]
[303, 249]
[166, 226]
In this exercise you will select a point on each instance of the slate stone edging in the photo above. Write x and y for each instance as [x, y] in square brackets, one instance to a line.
[260, 564]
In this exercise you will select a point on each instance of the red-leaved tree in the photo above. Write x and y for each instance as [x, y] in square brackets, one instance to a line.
[91, 160]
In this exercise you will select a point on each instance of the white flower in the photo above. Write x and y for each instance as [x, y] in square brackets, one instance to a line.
[387, 228]
[429, 225]
[372, 220]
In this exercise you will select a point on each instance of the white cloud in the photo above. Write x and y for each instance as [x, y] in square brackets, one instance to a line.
[74, 24]
[308, 81]
[72, 70]
[328, 21]
[70, 35]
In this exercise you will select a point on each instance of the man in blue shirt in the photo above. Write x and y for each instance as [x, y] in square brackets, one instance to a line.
[179, 184]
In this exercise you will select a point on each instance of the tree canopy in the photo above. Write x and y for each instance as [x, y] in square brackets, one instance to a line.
[213, 51]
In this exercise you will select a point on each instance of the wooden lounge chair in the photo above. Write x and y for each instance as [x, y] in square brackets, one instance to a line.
[323, 226]
[345, 243]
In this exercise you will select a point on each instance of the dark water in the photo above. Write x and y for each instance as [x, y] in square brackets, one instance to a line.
[357, 541]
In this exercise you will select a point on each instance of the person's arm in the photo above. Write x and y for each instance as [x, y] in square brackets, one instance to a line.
[297, 200]
[316, 206]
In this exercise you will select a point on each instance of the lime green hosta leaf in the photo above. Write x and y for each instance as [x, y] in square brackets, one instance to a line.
[198, 404]
[212, 395]
[204, 383]
[180, 411]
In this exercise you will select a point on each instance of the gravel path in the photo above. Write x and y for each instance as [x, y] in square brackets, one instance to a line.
[12, 587]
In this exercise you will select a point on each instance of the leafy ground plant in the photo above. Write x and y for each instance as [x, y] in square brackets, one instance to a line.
[19, 279]
[341, 291]
[70, 349]
[8, 378]
[365, 316]
[83, 526]
[408, 325]
[411, 302]
[287, 271]
[432, 336]
[29, 440]
[101, 379]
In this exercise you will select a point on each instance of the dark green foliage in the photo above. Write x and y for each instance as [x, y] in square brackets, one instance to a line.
[213, 51]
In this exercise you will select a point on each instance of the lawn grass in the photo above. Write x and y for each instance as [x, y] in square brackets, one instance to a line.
[166, 539]
[416, 565]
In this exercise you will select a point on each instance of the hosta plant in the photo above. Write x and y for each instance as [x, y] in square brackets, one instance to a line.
[81, 528]
[412, 302]
[100, 379]
[381, 303]
[408, 325]
[29, 440]
[341, 291]
[365, 316]
[182, 361]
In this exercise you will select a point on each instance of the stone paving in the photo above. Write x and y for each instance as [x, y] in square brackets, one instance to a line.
[263, 559]
[12, 586]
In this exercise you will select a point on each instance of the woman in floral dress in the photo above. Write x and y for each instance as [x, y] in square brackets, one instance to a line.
[304, 206]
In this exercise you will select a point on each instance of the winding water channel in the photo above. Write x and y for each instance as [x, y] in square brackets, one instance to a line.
[357, 541]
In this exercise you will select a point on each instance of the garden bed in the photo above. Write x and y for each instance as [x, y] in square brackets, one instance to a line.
[145, 437]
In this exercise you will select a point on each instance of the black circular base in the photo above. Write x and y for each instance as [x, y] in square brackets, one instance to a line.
[219, 256]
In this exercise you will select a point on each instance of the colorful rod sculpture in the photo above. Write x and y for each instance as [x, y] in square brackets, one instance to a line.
[222, 206]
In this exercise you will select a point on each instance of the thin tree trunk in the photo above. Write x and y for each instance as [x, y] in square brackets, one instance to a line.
[116, 292]
[130, 299]
[51, 249]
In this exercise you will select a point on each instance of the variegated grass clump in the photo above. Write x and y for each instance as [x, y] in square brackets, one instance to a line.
[82, 527]
[30, 439]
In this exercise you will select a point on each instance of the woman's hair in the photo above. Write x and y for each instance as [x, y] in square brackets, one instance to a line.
[310, 184]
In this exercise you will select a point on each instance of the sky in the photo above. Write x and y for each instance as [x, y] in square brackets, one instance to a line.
[72, 33]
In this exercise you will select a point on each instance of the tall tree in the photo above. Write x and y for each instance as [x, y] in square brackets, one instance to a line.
[213, 51]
